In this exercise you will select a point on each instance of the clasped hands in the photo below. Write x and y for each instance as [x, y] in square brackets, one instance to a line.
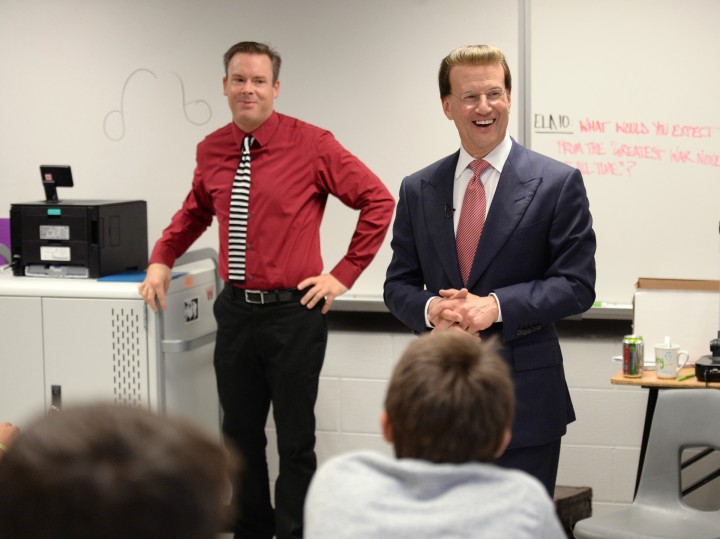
[459, 310]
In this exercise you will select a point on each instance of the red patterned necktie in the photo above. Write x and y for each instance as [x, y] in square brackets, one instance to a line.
[472, 219]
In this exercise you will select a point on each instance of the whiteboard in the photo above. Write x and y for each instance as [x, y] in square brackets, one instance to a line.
[627, 92]
[124, 91]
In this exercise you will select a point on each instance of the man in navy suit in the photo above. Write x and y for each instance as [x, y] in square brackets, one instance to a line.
[533, 263]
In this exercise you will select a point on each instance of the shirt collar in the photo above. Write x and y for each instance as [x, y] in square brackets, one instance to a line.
[496, 157]
[262, 134]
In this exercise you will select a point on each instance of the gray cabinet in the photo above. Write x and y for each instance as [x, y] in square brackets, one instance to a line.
[67, 341]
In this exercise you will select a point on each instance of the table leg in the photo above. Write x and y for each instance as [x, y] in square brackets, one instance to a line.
[649, 413]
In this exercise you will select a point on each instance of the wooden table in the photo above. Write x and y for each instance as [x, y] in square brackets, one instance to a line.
[650, 381]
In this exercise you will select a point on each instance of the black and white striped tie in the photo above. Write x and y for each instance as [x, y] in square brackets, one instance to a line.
[239, 214]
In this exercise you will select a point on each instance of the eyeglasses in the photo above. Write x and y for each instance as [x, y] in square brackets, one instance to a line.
[473, 100]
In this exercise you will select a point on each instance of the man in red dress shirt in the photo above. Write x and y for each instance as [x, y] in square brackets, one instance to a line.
[271, 327]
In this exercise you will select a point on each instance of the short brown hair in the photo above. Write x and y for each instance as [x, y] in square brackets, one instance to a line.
[471, 55]
[253, 47]
[450, 400]
[111, 472]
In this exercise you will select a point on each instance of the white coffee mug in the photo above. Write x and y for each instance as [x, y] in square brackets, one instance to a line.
[668, 360]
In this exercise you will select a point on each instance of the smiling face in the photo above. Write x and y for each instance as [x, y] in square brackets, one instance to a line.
[250, 89]
[481, 126]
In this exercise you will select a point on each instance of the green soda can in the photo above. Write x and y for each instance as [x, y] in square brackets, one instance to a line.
[633, 356]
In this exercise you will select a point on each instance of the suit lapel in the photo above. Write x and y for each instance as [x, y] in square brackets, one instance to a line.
[516, 189]
[437, 201]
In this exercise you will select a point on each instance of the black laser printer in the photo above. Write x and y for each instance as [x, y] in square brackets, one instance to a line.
[76, 238]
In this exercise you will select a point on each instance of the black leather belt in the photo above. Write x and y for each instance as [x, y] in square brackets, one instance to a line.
[263, 297]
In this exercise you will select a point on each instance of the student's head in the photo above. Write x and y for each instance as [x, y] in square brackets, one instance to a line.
[475, 87]
[450, 400]
[251, 83]
[110, 472]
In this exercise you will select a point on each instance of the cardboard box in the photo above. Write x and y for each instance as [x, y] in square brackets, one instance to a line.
[686, 310]
[678, 284]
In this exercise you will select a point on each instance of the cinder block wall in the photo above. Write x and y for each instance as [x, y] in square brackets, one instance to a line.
[601, 449]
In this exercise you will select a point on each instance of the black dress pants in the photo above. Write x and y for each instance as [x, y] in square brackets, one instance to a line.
[540, 461]
[267, 354]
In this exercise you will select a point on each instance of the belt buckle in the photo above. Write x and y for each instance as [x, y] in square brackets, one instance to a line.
[255, 296]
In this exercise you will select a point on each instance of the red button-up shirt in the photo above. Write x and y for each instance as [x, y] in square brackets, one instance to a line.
[295, 166]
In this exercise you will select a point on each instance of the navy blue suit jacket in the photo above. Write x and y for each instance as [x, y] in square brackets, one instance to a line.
[536, 253]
